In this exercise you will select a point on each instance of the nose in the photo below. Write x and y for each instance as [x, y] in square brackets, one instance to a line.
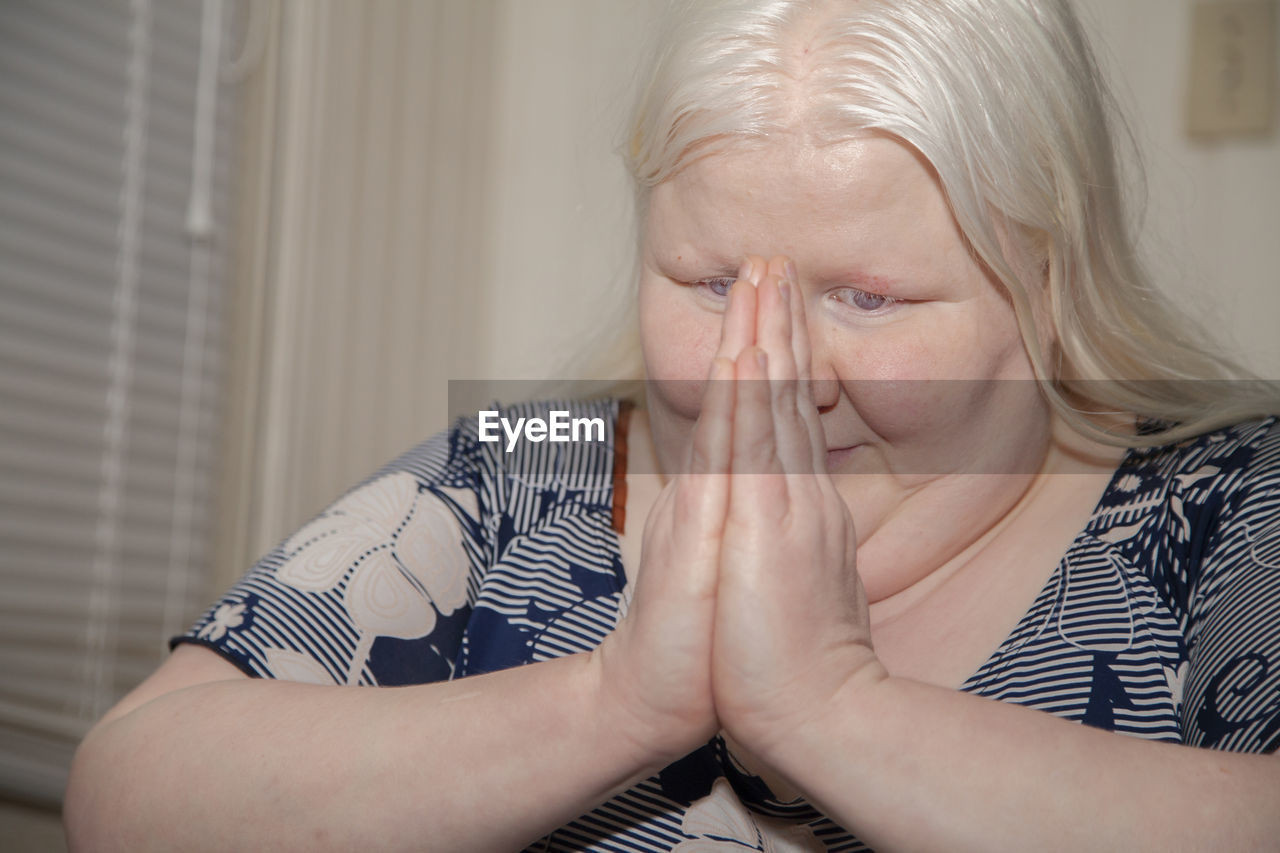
[824, 383]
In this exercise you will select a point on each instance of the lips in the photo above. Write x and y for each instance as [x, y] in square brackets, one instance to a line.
[838, 456]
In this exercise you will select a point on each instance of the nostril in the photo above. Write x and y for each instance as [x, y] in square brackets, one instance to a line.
[825, 393]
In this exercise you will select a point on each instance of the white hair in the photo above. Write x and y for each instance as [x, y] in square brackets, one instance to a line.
[1006, 102]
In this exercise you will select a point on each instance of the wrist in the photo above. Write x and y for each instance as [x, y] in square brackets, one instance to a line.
[815, 716]
[654, 737]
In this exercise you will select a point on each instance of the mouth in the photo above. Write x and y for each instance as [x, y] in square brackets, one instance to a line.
[837, 457]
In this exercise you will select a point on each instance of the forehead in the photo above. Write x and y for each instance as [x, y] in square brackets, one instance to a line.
[866, 165]
[794, 197]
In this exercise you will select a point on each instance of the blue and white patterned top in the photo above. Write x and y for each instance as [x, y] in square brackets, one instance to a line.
[1161, 621]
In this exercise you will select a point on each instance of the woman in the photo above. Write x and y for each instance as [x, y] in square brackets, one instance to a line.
[895, 521]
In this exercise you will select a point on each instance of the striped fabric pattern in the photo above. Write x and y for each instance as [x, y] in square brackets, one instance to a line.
[1161, 621]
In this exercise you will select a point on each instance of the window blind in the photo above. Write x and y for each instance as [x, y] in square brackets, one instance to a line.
[115, 168]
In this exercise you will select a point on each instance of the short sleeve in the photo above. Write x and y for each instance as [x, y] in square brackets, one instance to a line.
[1231, 696]
[377, 589]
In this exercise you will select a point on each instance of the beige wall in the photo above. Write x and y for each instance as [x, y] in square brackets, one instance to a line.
[560, 217]
[1213, 223]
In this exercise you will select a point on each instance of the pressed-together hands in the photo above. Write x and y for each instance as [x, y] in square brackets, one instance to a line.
[748, 613]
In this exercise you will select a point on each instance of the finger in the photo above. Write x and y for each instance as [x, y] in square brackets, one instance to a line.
[803, 354]
[774, 324]
[799, 329]
[793, 444]
[739, 329]
[753, 269]
[755, 499]
[702, 499]
[794, 416]
[711, 448]
[753, 436]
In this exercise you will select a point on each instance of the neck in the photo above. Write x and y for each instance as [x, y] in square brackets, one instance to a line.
[1038, 519]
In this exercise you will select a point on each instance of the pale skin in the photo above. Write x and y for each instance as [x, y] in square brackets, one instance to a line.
[890, 579]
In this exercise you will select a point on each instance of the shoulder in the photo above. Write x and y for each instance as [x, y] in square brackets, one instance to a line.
[502, 469]
[1244, 450]
[1200, 520]
[1172, 509]
[1227, 505]
[379, 587]
[1214, 472]
[1217, 501]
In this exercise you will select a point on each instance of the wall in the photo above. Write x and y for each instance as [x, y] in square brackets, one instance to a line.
[1213, 226]
[559, 213]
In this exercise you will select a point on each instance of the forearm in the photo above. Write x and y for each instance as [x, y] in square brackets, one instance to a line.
[911, 766]
[485, 763]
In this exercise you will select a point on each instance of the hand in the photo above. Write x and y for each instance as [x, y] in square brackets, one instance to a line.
[656, 667]
[791, 622]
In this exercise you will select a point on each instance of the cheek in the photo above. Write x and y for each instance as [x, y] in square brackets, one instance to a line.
[964, 400]
[678, 342]
[953, 420]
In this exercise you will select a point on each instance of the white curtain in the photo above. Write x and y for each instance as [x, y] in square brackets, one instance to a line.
[363, 251]
[115, 165]
[432, 194]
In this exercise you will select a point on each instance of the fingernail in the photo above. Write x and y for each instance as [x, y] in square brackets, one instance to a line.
[784, 288]
[744, 270]
[790, 270]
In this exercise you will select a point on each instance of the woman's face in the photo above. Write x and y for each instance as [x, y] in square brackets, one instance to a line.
[911, 340]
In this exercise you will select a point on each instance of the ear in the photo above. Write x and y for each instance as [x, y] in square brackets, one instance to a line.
[1029, 255]
[1045, 288]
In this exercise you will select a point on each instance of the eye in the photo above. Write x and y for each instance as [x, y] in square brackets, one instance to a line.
[864, 301]
[715, 286]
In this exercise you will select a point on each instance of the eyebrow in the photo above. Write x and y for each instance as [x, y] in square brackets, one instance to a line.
[688, 255]
[872, 282]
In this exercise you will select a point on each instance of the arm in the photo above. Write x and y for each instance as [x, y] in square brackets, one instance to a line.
[204, 758]
[912, 766]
